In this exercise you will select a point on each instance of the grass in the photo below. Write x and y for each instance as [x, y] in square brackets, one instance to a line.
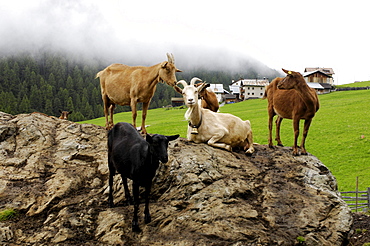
[356, 84]
[339, 135]
[7, 214]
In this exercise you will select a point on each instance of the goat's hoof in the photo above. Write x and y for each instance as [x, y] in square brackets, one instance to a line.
[281, 145]
[147, 218]
[129, 202]
[248, 153]
[135, 227]
[111, 205]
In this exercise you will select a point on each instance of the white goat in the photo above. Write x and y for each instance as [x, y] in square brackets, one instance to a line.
[216, 129]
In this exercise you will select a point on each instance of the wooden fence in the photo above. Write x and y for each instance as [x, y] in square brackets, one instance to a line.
[357, 200]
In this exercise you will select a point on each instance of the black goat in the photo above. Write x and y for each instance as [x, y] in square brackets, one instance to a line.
[135, 158]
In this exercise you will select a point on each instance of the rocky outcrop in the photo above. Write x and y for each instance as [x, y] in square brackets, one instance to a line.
[54, 173]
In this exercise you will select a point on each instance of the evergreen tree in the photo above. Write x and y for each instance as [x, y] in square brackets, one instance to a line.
[57, 106]
[70, 105]
[25, 105]
[69, 83]
[35, 99]
[48, 107]
[52, 82]
[48, 82]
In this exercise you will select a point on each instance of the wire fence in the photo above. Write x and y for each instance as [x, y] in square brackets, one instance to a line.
[357, 200]
[352, 88]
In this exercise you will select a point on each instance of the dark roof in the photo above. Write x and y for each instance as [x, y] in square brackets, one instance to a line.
[178, 99]
[326, 85]
[230, 96]
[306, 74]
[329, 71]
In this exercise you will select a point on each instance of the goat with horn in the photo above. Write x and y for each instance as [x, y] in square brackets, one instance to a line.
[124, 85]
[220, 130]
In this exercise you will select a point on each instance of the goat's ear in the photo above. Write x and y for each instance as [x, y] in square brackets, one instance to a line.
[164, 64]
[60, 111]
[149, 138]
[70, 112]
[173, 137]
[178, 89]
[203, 86]
[178, 70]
[287, 71]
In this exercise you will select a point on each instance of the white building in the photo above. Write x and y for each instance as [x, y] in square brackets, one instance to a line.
[218, 89]
[249, 88]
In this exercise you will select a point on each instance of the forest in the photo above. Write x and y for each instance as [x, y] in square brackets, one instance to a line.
[50, 81]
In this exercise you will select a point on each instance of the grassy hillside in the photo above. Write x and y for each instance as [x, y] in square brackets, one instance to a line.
[339, 135]
[356, 84]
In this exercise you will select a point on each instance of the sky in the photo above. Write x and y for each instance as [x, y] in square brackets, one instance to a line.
[281, 34]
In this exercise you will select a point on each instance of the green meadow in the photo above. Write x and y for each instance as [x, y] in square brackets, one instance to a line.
[339, 135]
[356, 84]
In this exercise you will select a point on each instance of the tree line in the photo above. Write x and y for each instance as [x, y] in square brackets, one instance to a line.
[50, 82]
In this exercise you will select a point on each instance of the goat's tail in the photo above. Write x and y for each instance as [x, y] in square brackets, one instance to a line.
[265, 94]
[98, 74]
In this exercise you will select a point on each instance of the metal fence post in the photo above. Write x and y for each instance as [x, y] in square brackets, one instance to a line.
[368, 198]
[356, 193]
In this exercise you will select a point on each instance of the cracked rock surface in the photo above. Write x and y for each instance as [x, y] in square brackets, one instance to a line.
[54, 173]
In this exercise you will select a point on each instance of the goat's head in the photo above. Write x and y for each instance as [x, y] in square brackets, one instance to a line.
[159, 145]
[168, 70]
[190, 92]
[202, 87]
[64, 114]
[291, 80]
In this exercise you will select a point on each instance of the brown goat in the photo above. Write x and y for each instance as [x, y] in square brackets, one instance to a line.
[209, 98]
[125, 85]
[291, 98]
[64, 114]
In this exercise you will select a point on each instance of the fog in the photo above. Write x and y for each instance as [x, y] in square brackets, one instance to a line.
[281, 34]
[83, 30]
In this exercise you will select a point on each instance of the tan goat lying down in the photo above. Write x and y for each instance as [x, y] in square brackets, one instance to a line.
[124, 85]
[216, 129]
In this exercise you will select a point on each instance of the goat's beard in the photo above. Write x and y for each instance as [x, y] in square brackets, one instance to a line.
[188, 113]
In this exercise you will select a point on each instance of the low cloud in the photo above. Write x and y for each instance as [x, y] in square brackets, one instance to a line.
[81, 29]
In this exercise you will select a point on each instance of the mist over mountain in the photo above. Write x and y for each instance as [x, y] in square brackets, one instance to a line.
[50, 52]
[84, 31]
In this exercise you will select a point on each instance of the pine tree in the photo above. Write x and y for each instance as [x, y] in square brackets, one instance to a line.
[35, 99]
[70, 106]
[25, 105]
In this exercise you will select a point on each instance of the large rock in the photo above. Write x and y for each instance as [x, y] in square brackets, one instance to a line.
[54, 173]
